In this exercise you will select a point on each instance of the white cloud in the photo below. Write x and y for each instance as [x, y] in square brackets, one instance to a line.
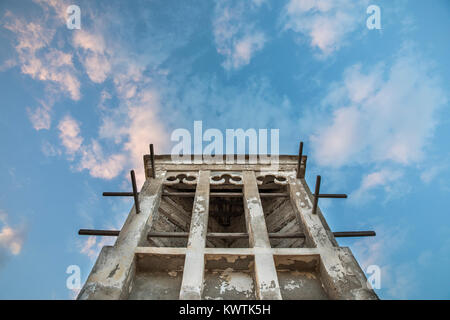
[38, 60]
[378, 250]
[144, 128]
[91, 155]
[403, 281]
[378, 179]
[99, 166]
[58, 6]
[87, 247]
[40, 117]
[11, 238]
[425, 258]
[89, 41]
[245, 48]
[8, 64]
[326, 23]
[31, 36]
[235, 36]
[336, 143]
[91, 247]
[49, 149]
[111, 128]
[69, 133]
[398, 280]
[433, 171]
[132, 123]
[89, 209]
[384, 114]
[94, 57]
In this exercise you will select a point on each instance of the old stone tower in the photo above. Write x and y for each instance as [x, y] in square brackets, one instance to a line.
[225, 231]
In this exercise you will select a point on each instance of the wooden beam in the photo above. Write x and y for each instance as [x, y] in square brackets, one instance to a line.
[227, 251]
[223, 235]
[224, 194]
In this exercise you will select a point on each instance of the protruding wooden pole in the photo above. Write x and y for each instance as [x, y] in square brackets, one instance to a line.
[152, 160]
[316, 195]
[135, 192]
[300, 156]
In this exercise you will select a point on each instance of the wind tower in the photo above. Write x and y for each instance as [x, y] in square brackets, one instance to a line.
[225, 231]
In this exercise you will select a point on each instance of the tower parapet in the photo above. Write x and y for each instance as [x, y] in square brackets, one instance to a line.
[218, 230]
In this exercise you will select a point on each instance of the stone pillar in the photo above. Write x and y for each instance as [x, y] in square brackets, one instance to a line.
[341, 274]
[266, 278]
[194, 265]
[114, 269]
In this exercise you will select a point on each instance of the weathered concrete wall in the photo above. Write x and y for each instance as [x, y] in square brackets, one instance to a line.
[114, 269]
[341, 275]
[313, 267]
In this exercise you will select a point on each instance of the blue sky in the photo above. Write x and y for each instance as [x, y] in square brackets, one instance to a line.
[79, 108]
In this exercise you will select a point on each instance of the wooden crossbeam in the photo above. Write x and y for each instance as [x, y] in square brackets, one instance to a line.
[317, 195]
[134, 194]
[224, 235]
[224, 194]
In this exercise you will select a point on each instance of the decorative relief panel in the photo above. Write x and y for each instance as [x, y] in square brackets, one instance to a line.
[173, 178]
[220, 178]
[263, 179]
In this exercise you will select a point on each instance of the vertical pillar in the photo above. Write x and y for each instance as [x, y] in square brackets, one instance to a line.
[194, 265]
[341, 274]
[114, 269]
[303, 204]
[266, 278]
